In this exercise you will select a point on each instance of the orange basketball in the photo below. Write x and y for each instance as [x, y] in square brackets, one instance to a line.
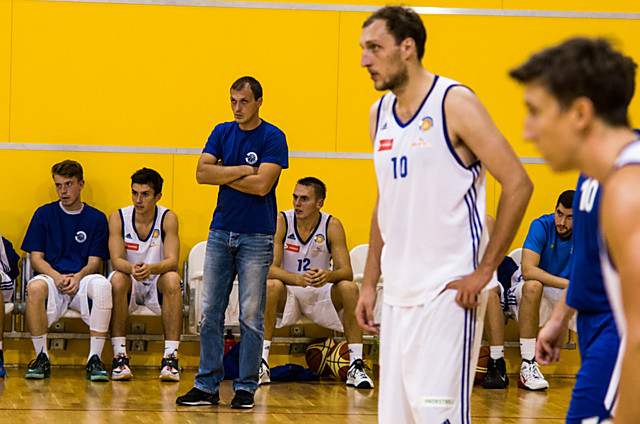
[317, 355]
[338, 360]
[483, 361]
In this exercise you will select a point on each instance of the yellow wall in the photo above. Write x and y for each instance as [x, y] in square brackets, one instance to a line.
[97, 74]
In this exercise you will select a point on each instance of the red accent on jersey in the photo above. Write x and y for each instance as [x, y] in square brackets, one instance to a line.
[385, 144]
[292, 248]
[131, 246]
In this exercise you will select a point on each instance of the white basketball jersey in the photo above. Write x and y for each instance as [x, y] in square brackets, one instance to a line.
[147, 248]
[431, 208]
[302, 255]
[4, 265]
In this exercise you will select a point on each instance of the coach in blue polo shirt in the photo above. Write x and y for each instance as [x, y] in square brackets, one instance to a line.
[245, 158]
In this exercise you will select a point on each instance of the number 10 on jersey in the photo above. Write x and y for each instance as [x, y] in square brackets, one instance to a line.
[399, 167]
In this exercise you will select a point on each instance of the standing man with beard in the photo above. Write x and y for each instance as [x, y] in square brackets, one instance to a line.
[432, 139]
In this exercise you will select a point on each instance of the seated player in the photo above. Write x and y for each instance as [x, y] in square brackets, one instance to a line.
[302, 283]
[9, 271]
[68, 241]
[144, 247]
[546, 260]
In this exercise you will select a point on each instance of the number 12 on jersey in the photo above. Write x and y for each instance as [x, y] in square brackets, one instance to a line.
[399, 167]
[304, 264]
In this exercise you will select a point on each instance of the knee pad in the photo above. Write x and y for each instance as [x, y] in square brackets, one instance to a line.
[99, 290]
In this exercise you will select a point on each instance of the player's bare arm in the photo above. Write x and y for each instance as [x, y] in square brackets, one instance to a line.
[260, 183]
[337, 241]
[372, 270]
[475, 136]
[41, 266]
[171, 246]
[619, 213]
[531, 271]
[211, 171]
[276, 272]
[117, 249]
[552, 336]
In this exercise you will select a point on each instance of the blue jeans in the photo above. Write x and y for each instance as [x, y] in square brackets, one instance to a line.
[249, 256]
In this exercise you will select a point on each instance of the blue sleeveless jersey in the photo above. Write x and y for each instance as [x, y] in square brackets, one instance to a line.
[586, 291]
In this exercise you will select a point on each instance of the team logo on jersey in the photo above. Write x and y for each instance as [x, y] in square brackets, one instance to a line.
[156, 233]
[386, 144]
[427, 123]
[319, 238]
[384, 127]
[128, 236]
[291, 248]
[81, 236]
[132, 246]
[251, 158]
[291, 237]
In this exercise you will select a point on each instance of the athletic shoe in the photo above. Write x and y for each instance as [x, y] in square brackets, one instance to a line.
[39, 368]
[169, 370]
[96, 370]
[195, 397]
[120, 368]
[530, 376]
[242, 400]
[3, 372]
[265, 373]
[357, 377]
[496, 376]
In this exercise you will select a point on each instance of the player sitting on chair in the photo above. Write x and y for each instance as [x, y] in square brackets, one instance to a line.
[144, 247]
[546, 258]
[9, 271]
[68, 241]
[301, 282]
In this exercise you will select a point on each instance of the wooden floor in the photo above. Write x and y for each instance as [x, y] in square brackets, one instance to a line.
[67, 397]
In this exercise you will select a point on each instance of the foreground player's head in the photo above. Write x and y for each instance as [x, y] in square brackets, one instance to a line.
[571, 87]
[69, 180]
[392, 38]
[246, 99]
[563, 217]
[146, 189]
[308, 197]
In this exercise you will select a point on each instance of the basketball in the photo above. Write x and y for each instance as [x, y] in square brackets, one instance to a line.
[317, 355]
[481, 368]
[338, 360]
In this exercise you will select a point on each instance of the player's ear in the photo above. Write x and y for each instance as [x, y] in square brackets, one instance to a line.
[408, 47]
[320, 203]
[158, 197]
[259, 101]
[583, 112]
[81, 184]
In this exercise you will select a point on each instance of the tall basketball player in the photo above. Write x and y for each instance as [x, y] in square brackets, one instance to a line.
[577, 95]
[432, 139]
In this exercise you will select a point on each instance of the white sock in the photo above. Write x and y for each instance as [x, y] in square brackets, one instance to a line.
[497, 352]
[40, 344]
[528, 348]
[0, 343]
[97, 343]
[119, 345]
[355, 352]
[171, 347]
[266, 347]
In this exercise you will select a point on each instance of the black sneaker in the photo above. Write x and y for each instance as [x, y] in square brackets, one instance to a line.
[496, 377]
[242, 400]
[195, 397]
[39, 368]
[96, 370]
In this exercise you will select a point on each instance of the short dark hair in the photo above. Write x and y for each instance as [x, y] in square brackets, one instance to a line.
[402, 23]
[584, 67]
[149, 177]
[68, 168]
[566, 199]
[318, 186]
[253, 83]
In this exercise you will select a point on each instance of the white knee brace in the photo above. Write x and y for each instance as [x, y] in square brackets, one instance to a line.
[99, 291]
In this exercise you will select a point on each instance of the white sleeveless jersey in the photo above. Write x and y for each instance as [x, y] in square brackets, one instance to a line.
[147, 248]
[302, 255]
[431, 208]
[630, 155]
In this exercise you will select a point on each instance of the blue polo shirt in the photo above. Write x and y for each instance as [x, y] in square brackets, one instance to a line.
[555, 253]
[67, 239]
[237, 211]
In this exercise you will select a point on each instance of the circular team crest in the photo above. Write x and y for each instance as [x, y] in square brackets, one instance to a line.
[251, 158]
[156, 233]
[427, 123]
[81, 236]
[319, 238]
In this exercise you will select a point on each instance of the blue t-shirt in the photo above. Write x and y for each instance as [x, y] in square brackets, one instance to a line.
[67, 240]
[555, 253]
[237, 211]
[586, 291]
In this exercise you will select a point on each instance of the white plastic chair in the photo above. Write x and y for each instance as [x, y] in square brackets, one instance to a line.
[358, 260]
